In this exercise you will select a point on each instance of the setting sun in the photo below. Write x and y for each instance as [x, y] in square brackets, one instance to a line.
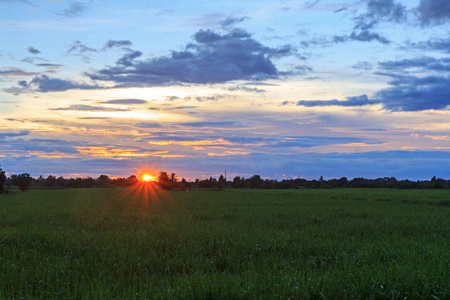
[148, 178]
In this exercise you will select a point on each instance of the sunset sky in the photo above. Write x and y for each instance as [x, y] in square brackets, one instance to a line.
[283, 89]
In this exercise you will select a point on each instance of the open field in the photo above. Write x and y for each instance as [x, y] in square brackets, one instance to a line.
[142, 243]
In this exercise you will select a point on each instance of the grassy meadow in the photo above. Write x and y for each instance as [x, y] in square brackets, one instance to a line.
[139, 242]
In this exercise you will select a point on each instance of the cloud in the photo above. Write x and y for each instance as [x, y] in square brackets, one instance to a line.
[206, 98]
[425, 62]
[127, 59]
[210, 124]
[211, 58]
[38, 145]
[77, 48]
[49, 65]
[33, 50]
[363, 65]
[232, 21]
[80, 107]
[6, 135]
[15, 72]
[246, 89]
[348, 102]
[44, 84]
[361, 36]
[75, 9]
[149, 125]
[124, 101]
[376, 11]
[268, 142]
[439, 44]
[409, 93]
[113, 44]
[433, 11]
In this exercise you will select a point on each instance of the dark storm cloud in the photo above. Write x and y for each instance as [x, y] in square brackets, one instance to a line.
[44, 84]
[5, 135]
[113, 44]
[33, 50]
[80, 107]
[75, 9]
[433, 11]
[348, 102]
[211, 58]
[124, 101]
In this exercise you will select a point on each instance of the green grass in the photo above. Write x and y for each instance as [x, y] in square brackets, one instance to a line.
[264, 244]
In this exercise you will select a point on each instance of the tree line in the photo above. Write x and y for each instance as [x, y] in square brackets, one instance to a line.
[170, 181]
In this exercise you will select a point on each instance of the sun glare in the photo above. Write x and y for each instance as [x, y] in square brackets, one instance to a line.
[148, 178]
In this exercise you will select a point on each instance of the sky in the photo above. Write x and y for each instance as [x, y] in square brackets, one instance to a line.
[282, 89]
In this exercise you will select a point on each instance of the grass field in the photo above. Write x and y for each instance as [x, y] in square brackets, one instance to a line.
[265, 244]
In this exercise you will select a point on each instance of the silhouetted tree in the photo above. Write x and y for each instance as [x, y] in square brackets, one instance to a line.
[221, 183]
[2, 180]
[22, 181]
[163, 176]
[236, 182]
[103, 180]
[132, 180]
[167, 182]
[255, 182]
[60, 181]
[50, 181]
[173, 178]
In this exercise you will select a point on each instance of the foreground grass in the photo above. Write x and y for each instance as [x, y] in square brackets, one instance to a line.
[139, 243]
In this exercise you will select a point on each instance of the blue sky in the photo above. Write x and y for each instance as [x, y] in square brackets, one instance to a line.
[277, 88]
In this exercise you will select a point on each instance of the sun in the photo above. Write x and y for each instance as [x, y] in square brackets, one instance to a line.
[148, 178]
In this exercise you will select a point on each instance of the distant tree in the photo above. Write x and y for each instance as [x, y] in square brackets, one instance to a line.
[221, 183]
[22, 181]
[343, 182]
[50, 181]
[2, 180]
[167, 182]
[255, 182]
[132, 180]
[103, 180]
[173, 178]
[163, 176]
[40, 181]
[60, 181]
